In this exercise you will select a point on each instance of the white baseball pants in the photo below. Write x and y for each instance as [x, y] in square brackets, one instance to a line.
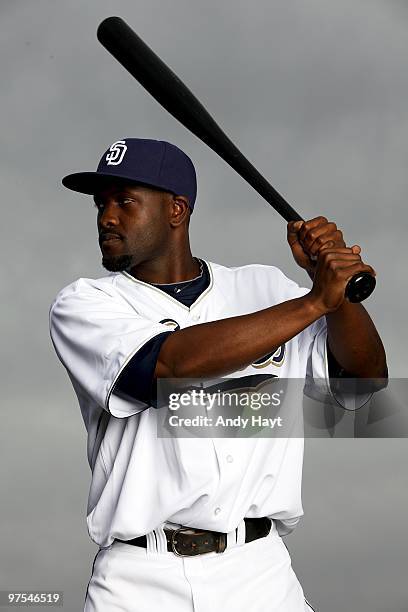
[247, 577]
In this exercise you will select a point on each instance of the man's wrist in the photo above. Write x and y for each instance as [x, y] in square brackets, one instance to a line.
[313, 306]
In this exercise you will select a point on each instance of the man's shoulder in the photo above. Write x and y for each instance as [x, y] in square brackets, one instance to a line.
[245, 267]
[88, 286]
[261, 281]
[247, 270]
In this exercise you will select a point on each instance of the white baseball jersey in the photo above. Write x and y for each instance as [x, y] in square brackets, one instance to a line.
[141, 482]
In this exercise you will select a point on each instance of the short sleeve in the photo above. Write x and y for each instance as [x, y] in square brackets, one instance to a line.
[137, 377]
[312, 344]
[95, 334]
[323, 374]
[312, 340]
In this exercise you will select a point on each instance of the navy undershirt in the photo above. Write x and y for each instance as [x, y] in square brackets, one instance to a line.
[136, 379]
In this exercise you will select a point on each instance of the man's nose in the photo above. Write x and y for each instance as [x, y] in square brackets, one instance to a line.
[109, 215]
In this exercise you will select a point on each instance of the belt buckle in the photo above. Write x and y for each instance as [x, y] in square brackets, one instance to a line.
[222, 543]
[173, 546]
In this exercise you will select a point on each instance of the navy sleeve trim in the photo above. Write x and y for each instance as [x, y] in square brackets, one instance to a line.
[136, 379]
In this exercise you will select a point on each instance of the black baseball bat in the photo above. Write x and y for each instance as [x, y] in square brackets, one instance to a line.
[165, 86]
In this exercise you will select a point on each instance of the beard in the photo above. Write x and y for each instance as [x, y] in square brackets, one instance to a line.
[118, 263]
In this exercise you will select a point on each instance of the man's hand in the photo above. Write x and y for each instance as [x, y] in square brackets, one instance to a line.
[307, 238]
[318, 247]
[335, 266]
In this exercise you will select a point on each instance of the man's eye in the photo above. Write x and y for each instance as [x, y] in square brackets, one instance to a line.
[100, 205]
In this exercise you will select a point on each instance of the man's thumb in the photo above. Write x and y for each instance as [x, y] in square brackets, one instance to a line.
[293, 229]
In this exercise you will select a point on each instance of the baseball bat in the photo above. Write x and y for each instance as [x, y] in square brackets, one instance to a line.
[165, 86]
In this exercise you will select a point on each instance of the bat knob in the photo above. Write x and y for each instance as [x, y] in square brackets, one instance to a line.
[360, 287]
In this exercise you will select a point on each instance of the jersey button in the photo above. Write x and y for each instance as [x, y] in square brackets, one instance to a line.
[196, 317]
[217, 510]
[230, 458]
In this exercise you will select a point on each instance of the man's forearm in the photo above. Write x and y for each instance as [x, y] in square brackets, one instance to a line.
[355, 343]
[221, 347]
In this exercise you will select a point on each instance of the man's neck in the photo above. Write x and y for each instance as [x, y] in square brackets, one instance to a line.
[167, 270]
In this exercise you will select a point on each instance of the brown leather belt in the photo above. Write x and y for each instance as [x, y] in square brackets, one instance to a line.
[187, 541]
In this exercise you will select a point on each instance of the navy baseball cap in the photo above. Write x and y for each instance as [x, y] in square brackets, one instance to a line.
[155, 163]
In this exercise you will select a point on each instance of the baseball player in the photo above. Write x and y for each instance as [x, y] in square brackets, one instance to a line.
[194, 524]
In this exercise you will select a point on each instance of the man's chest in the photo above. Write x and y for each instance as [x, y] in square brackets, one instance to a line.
[153, 304]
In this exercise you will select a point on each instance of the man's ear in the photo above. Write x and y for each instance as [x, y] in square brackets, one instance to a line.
[180, 211]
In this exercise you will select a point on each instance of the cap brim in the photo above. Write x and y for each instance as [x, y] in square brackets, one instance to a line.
[92, 182]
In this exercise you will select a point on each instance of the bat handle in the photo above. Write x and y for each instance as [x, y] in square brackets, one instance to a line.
[359, 287]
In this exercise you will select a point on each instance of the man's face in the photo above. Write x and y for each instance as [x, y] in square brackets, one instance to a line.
[133, 224]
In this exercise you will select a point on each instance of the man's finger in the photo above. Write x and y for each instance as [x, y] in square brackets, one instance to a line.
[350, 270]
[335, 250]
[318, 240]
[343, 257]
[313, 225]
[294, 226]
[293, 231]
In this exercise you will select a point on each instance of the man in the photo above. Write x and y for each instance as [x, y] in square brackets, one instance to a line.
[194, 524]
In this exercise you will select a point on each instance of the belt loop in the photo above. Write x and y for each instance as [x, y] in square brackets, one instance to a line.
[151, 543]
[156, 541]
[161, 540]
[241, 532]
[231, 538]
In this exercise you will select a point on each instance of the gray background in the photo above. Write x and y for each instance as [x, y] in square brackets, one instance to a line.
[315, 93]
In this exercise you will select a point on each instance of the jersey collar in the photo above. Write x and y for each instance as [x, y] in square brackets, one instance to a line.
[164, 294]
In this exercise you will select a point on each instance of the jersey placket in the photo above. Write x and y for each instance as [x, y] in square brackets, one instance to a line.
[229, 467]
